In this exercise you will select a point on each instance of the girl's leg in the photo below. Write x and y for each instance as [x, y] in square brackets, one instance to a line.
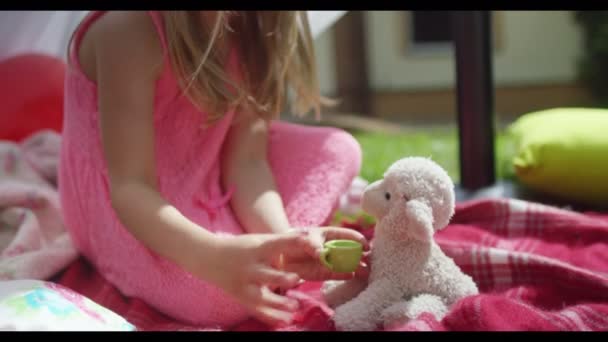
[313, 167]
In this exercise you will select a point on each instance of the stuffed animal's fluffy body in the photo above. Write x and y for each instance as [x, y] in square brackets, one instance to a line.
[410, 274]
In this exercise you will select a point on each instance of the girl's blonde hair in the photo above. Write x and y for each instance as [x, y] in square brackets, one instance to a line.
[276, 55]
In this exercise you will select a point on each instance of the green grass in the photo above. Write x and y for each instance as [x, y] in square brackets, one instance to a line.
[381, 150]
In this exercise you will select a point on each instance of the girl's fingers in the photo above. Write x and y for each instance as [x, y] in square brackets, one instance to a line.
[271, 316]
[279, 302]
[310, 242]
[262, 296]
[363, 271]
[314, 247]
[268, 307]
[283, 244]
[317, 237]
[265, 275]
[339, 276]
[314, 271]
[300, 245]
[335, 233]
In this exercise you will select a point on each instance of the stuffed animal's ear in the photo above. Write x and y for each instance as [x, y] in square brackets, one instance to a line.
[421, 217]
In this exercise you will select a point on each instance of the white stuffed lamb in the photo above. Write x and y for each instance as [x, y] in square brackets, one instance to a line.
[409, 272]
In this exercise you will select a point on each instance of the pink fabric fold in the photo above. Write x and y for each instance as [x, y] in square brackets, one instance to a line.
[33, 240]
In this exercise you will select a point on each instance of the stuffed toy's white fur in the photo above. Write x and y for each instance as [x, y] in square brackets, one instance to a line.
[410, 274]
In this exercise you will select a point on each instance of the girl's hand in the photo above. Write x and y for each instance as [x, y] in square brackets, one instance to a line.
[244, 269]
[249, 266]
[306, 262]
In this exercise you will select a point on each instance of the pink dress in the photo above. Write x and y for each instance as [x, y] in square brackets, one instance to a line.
[312, 166]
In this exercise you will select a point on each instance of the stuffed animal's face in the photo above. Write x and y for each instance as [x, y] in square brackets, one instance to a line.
[376, 199]
[415, 193]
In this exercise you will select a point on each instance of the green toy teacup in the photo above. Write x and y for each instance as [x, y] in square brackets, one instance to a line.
[342, 256]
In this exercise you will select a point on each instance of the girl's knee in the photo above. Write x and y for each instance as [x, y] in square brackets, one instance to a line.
[344, 151]
[294, 144]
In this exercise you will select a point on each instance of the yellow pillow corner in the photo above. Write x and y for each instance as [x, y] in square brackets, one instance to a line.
[563, 152]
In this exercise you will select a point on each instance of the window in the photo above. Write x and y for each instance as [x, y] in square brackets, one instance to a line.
[430, 31]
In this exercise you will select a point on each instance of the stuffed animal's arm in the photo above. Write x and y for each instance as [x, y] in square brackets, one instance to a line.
[364, 312]
[459, 287]
[401, 312]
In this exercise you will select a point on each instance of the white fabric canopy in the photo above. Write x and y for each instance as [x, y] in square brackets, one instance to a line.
[48, 32]
[322, 20]
[45, 32]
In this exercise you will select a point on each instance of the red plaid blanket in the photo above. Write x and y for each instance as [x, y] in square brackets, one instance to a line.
[537, 267]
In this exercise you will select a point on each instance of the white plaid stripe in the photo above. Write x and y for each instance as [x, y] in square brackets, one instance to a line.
[488, 240]
[599, 321]
[482, 268]
[526, 245]
[545, 316]
[500, 222]
[501, 272]
[576, 319]
[505, 244]
[559, 324]
[477, 308]
[518, 218]
[563, 322]
[494, 269]
[532, 219]
[514, 293]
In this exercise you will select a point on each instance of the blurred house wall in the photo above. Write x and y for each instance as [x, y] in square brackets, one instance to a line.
[535, 65]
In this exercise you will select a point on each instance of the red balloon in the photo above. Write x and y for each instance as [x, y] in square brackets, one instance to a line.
[31, 95]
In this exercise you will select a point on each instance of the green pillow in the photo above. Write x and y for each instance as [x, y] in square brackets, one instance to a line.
[564, 152]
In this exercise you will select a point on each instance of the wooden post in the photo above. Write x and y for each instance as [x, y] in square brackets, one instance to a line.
[351, 64]
[475, 98]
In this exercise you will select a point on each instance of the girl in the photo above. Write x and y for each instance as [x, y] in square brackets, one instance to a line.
[175, 181]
